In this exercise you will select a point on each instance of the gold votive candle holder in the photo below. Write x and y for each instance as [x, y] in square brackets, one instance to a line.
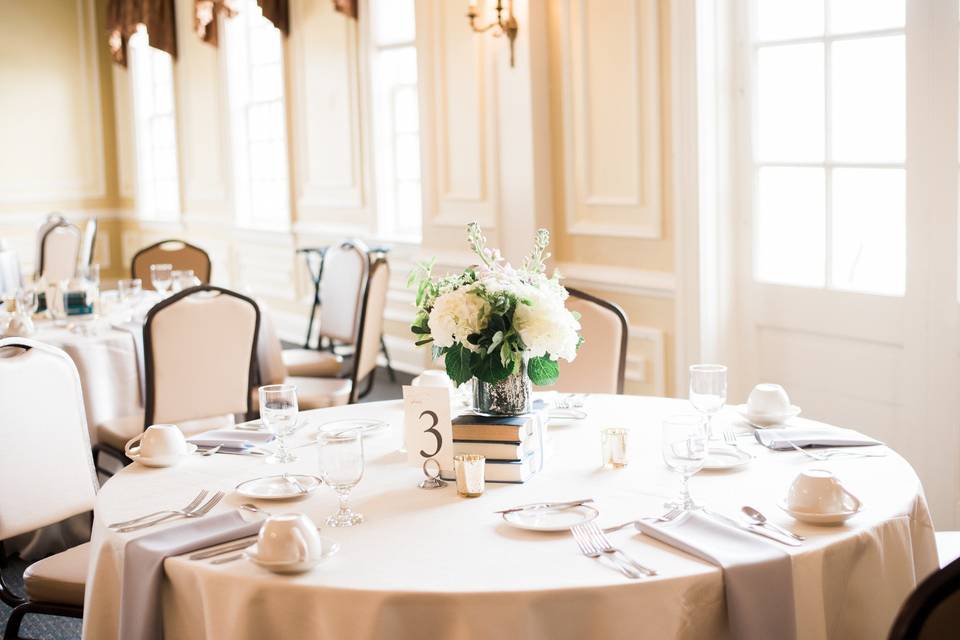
[615, 445]
[469, 468]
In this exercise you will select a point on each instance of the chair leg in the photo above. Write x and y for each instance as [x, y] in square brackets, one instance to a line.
[110, 451]
[12, 632]
[386, 355]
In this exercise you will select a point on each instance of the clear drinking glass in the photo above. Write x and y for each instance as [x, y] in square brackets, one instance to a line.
[90, 276]
[27, 301]
[56, 296]
[708, 390]
[161, 277]
[129, 292]
[278, 412]
[684, 448]
[341, 467]
[184, 279]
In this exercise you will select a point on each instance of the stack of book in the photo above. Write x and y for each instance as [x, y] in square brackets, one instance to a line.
[513, 446]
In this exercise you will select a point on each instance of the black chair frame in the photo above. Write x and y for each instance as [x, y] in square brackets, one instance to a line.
[133, 261]
[924, 600]
[22, 606]
[624, 329]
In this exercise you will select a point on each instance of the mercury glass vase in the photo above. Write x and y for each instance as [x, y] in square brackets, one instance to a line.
[510, 397]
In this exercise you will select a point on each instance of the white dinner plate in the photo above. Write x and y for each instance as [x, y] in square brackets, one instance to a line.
[721, 458]
[820, 518]
[163, 461]
[278, 487]
[551, 519]
[764, 420]
[367, 426]
[329, 548]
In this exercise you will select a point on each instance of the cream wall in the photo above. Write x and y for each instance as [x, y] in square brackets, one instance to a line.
[576, 138]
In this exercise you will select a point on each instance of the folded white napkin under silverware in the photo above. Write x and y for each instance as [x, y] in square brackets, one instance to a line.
[230, 439]
[779, 438]
[757, 576]
[141, 614]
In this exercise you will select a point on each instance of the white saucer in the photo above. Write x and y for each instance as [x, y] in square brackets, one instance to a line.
[367, 426]
[763, 420]
[329, 548]
[723, 457]
[277, 488]
[163, 461]
[551, 519]
[820, 518]
[565, 416]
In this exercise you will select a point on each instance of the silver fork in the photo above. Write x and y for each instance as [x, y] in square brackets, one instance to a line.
[604, 544]
[190, 507]
[667, 517]
[196, 513]
[730, 438]
[588, 549]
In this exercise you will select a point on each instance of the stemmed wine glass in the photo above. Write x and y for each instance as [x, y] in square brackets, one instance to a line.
[90, 276]
[684, 448]
[278, 412]
[708, 390]
[161, 277]
[341, 467]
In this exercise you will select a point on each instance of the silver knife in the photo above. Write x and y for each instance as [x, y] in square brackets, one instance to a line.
[546, 505]
[752, 528]
[236, 545]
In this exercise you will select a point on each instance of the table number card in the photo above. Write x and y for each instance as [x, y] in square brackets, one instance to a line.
[428, 430]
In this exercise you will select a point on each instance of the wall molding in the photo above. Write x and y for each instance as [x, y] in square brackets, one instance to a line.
[638, 282]
[656, 338]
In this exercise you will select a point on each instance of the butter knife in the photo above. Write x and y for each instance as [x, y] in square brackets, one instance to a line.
[223, 548]
[752, 528]
[546, 505]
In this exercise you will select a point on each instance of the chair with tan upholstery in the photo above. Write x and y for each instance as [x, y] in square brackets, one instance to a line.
[182, 255]
[316, 393]
[344, 275]
[59, 252]
[599, 366]
[52, 220]
[43, 419]
[199, 358]
[89, 242]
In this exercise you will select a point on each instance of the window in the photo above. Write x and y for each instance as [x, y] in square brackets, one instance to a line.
[155, 131]
[253, 53]
[829, 138]
[396, 120]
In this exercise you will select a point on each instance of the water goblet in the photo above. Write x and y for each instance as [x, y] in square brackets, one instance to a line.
[684, 448]
[278, 412]
[341, 467]
[129, 292]
[161, 277]
[708, 390]
[90, 276]
[27, 301]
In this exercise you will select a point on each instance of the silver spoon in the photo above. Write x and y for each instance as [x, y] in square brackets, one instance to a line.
[761, 520]
[249, 506]
[210, 452]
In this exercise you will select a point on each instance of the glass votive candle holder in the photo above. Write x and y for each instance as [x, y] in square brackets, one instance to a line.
[615, 445]
[469, 469]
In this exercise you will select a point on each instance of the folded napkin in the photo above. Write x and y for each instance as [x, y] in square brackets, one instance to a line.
[757, 576]
[230, 439]
[812, 436]
[141, 613]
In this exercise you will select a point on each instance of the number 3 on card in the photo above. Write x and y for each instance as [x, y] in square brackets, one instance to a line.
[427, 430]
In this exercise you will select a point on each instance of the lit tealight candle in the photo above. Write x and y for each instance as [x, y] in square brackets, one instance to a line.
[615, 443]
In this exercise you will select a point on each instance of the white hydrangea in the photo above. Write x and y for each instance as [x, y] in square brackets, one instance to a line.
[546, 326]
[455, 315]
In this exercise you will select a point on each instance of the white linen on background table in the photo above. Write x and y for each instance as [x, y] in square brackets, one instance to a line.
[430, 564]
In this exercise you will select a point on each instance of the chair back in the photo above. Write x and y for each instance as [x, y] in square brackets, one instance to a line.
[371, 325]
[932, 611]
[182, 255]
[59, 252]
[270, 364]
[89, 242]
[46, 468]
[601, 361]
[344, 276]
[10, 278]
[53, 219]
[199, 355]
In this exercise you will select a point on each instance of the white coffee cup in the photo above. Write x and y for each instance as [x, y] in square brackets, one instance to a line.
[432, 378]
[291, 538]
[819, 491]
[768, 399]
[160, 444]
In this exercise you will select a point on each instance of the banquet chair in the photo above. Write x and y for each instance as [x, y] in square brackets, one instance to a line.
[59, 252]
[345, 270]
[932, 611]
[182, 255]
[10, 279]
[89, 242]
[199, 348]
[52, 220]
[600, 367]
[317, 393]
[43, 419]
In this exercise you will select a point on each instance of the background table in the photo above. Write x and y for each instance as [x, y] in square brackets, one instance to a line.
[430, 564]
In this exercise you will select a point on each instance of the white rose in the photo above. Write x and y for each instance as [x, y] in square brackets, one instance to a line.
[546, 326]
[455, 315]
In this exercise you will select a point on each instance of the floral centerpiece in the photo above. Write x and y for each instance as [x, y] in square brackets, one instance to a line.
[503, 327]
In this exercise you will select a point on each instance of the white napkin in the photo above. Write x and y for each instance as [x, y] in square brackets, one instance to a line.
[780, 438]
[141, 613]
[757, 576]
[230, 439]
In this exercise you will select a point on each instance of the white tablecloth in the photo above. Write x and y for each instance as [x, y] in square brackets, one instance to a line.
[430, 564]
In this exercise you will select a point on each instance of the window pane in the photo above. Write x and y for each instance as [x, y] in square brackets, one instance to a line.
[869, 100]
[782, 19]
[408, 206]
[394, 21]
[869, 230]
[790, 103]
[408, 157]
[865, 15]
[790, 223]
[266, 82]
[406, 117]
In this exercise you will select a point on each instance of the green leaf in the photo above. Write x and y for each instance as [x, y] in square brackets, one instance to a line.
[490, 368]
[457, 361]
[543, 370]
[420, 330]
[423, 342]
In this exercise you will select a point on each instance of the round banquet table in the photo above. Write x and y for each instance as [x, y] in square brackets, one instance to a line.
[432, 564]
